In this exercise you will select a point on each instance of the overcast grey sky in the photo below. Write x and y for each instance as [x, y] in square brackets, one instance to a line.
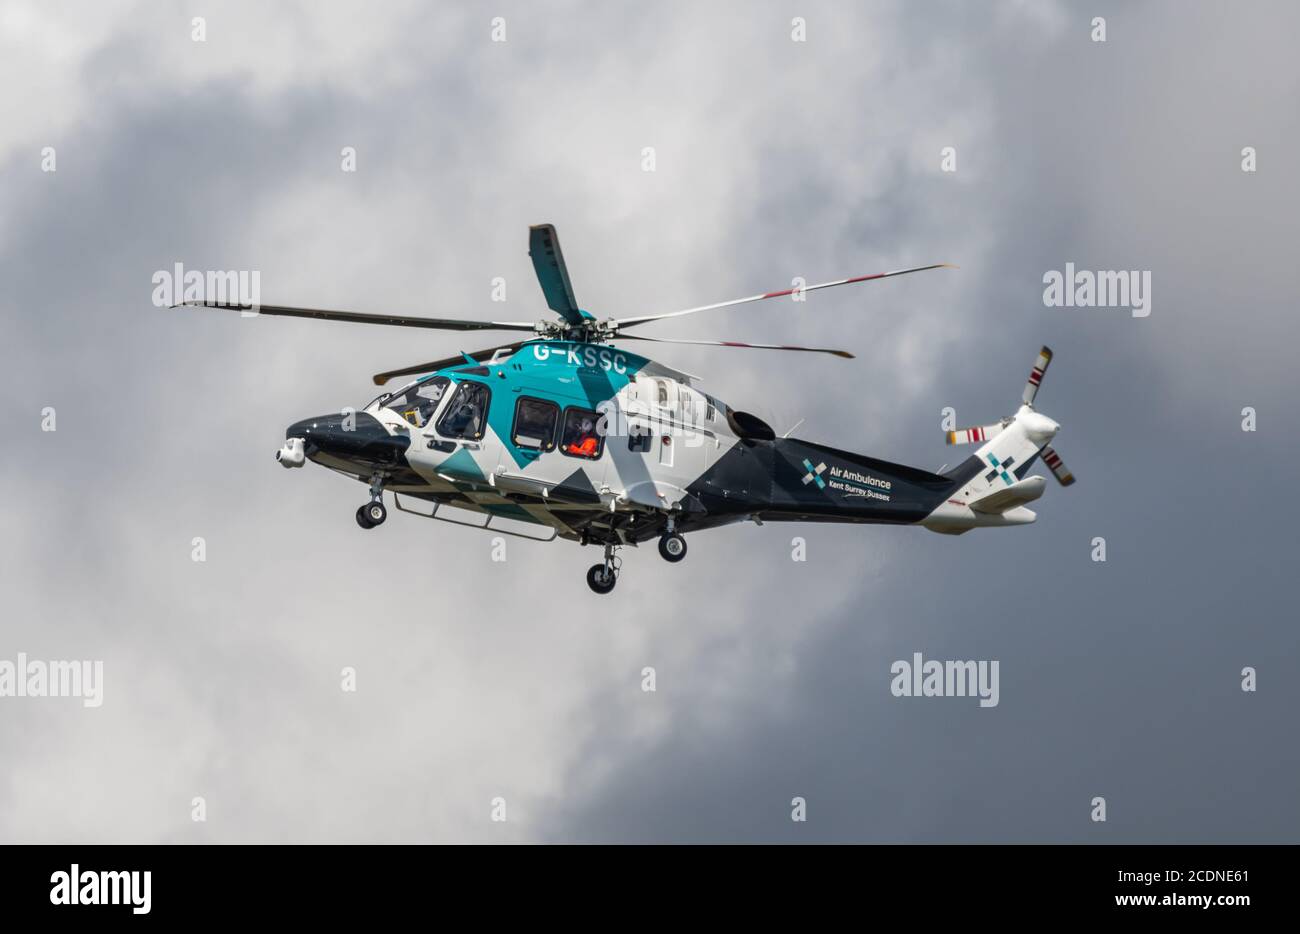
[774, 159]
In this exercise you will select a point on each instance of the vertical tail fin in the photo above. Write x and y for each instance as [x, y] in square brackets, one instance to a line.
[990, 488]
[1005, 458]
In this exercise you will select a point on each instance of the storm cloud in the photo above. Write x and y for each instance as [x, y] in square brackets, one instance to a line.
[774, 159]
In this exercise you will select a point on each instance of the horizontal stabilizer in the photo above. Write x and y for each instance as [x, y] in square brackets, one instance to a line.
[1019, 493]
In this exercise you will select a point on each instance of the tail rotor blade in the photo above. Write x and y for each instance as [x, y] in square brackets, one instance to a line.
[1040, 367]
[976, 435]
[1057, 466]
[1036, 375]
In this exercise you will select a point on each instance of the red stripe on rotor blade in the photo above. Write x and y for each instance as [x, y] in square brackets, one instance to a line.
[878, 275]
[779, 294]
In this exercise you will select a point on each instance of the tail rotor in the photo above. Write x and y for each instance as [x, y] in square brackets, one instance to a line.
[981, 434]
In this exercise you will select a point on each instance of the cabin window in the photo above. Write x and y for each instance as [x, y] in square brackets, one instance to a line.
[663, 391]
[535, 421]
[466, 415]
[638, 438]
[417, 403]
[582, 436]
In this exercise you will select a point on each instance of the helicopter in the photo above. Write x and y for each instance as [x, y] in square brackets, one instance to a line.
[564, 434]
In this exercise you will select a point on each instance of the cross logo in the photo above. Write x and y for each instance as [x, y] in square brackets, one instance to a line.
[814, 474]
[1000, 468]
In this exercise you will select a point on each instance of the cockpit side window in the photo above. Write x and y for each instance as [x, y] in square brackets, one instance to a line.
[466, 415]
[418, 402]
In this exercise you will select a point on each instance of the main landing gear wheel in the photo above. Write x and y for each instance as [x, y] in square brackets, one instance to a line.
[601, 579]
[371, 515]
[672, 547]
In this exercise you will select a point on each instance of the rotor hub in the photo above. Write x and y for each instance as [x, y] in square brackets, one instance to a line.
[589, 331]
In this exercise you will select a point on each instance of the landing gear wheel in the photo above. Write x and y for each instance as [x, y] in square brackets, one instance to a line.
[672, 547]
[362, 519]
[375, 513]
[601, 579]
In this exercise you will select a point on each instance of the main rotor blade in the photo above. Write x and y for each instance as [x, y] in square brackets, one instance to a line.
[480, 355]
[552, 274]
[668, 340]
[1036, 375]
[1057, 466]
[629, 322]
[357, 317]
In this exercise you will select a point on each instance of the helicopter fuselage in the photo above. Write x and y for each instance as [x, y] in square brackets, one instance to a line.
[566, 433]
[605, 446]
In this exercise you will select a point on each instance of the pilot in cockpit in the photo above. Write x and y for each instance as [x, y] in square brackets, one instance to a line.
[418, 403]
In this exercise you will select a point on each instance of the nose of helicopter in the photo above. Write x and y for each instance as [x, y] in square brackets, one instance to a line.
[355, 438]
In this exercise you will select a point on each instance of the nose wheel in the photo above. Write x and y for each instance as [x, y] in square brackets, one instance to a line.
[373, 513]
[602, 577]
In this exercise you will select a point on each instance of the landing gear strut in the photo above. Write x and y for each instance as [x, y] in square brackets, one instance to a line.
[602, 577]
[373, 513]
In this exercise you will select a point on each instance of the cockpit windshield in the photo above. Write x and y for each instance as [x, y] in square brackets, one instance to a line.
[417, 402]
